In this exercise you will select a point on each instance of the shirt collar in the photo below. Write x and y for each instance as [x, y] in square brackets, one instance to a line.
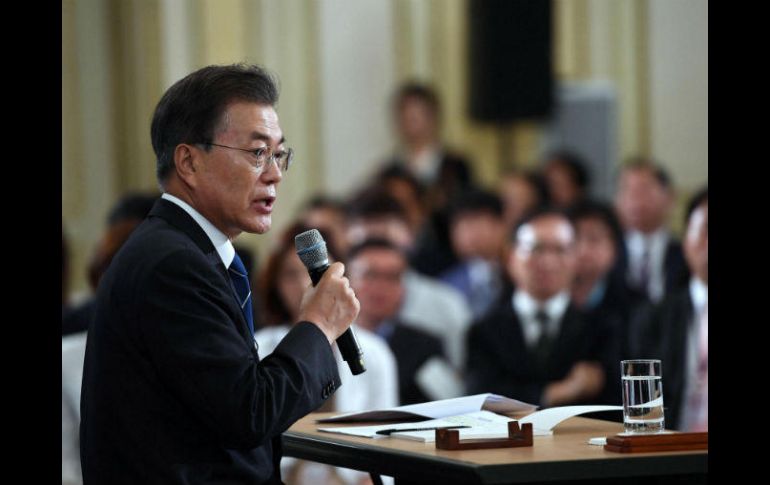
[221, 242]
[637, 241]
[699, 294]
[525, 305]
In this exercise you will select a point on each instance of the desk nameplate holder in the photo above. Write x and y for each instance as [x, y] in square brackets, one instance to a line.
[449, 439]
[657, 442]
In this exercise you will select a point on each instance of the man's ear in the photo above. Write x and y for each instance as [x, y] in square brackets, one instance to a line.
[186, 163]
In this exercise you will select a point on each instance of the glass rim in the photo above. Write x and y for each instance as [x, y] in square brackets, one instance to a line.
[639, 361]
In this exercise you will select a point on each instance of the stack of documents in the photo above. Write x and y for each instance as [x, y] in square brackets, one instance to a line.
[474, 416]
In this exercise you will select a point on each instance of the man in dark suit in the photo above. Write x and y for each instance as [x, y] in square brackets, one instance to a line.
[537, 346]
[442, 172]
[676, 331]
[654, 262]
[377, 268]
[173, 388]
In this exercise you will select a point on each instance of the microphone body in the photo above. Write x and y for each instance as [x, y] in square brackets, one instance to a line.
[311, 249]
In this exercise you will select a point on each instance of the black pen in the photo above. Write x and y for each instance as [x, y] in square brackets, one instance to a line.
[387, 432]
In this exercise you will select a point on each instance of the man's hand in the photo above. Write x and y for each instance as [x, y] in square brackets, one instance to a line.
[584, 381]
[331, 305]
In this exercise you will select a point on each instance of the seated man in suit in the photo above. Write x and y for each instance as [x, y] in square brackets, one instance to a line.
[676, 331]
[655, 263]
[377, 268]
[173, 388]
[536, 346]
[478, 239]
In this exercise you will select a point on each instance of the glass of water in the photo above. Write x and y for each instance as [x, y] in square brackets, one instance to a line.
[642, 396]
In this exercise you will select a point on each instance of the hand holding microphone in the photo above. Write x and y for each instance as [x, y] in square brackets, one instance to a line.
[331, 304]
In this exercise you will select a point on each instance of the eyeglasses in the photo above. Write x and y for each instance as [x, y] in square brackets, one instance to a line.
[262, 155]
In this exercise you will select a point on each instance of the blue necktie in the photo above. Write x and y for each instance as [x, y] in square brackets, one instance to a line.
[240, 279]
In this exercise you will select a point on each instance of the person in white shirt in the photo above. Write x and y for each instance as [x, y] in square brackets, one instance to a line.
[280, 288]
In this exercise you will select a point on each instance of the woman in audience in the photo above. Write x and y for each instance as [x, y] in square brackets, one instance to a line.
[280, 287]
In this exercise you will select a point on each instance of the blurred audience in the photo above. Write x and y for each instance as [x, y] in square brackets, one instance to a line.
[537, 346]
[417, 118]
[327, 214]
[123, 218]
[376, 269]
[521, 192]
[676, 330]
[567, 177]
[599, 288]
[644, 200]
[428, 305]
[478, 239]
[280, 287]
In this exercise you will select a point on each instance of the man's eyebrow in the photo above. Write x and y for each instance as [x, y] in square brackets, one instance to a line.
[255, 135]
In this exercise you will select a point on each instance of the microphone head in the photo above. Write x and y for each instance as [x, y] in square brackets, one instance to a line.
[311, 249]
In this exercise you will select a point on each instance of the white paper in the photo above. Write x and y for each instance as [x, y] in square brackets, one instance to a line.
[436, 409]
[477, 421]
[371, 431]
[546, 419]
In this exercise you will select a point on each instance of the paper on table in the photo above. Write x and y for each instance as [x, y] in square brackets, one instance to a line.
[543, 423]
[436, 409]
[371, 431]
[546, 419]
[481, 423]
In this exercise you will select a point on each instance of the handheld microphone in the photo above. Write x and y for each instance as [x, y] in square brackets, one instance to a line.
[311, 249]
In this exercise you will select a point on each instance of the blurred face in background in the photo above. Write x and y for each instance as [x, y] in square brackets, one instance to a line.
[416, 121]
[375, 275]
[642, 201]
[291, 282]
[477, 235]
[696, 242]
[394, 229]
[562, 188]
[594, 248]
[409, 198]
[330, 221]
[542, 262]
[519, 197]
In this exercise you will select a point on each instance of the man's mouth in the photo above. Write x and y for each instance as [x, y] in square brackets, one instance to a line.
[264, 205]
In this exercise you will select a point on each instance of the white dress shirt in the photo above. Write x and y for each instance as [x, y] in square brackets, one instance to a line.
[527, 307]
[221, 242]
[656, 244]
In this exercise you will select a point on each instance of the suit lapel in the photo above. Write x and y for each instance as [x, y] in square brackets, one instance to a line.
[180, 219]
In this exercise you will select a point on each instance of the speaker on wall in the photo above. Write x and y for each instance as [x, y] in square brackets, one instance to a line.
[510, 59]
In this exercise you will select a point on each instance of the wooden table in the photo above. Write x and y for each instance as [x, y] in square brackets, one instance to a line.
[564, 457]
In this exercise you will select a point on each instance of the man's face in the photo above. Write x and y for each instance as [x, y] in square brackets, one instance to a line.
[519, 197]
[542, 262]
[696, 242]
[393, 229]
[230, 192]
[416, 121]
[477, 235]
[561, 186]
[376, 276]
[595, 248]
[642, 202]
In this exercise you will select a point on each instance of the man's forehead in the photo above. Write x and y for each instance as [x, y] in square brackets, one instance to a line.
[545, 228]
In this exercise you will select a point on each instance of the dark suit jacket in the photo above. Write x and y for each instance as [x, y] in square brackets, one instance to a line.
[173, 389]
[412, 348]
[675, 270]
[660, 332]
[499, 361]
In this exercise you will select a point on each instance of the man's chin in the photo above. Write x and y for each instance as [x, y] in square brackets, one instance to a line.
[260, 226]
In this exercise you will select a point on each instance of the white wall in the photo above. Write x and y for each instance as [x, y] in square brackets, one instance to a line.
[678, 60]
[356, 73]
